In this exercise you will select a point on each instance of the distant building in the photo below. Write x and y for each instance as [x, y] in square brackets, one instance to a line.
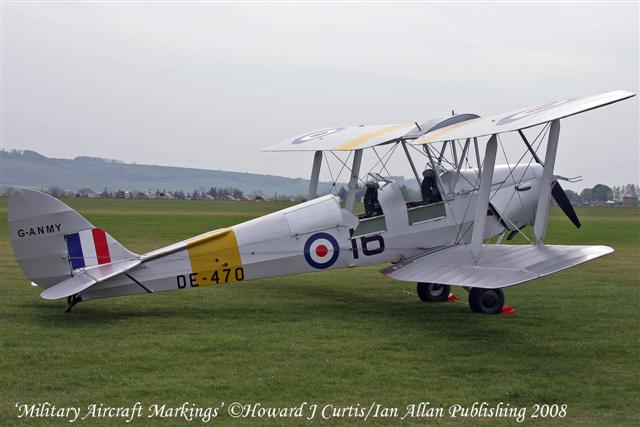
[629, 201]
[86, 192]
[164, 195]
[141, 195]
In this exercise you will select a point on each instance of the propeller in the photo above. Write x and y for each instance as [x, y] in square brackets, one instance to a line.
[565, 204]
[557, 192]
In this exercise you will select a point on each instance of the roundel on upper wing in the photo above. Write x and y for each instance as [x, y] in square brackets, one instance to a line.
[529, 111]
[315, 135]
[321, 250]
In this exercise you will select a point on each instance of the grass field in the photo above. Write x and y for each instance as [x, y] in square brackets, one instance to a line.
[339, 337]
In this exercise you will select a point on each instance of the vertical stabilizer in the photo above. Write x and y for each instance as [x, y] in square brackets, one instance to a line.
[50, 240]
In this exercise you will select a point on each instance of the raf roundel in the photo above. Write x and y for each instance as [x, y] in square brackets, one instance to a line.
[315, 135]
[529, 111]
[321, 250]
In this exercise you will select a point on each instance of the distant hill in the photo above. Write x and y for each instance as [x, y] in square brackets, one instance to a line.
[24, 168]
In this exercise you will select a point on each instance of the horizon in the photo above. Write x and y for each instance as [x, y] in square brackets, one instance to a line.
[410, 179]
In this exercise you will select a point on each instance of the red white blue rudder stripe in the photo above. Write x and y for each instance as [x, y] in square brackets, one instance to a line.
[88, 248]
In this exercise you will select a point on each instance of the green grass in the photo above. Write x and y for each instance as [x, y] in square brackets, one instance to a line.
[343, 337]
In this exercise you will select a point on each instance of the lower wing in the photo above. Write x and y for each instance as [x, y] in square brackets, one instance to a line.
[499, 266]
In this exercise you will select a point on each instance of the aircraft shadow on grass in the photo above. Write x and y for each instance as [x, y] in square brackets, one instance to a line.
[308, 303]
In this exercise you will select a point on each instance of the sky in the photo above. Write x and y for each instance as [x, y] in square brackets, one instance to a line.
[208, 85]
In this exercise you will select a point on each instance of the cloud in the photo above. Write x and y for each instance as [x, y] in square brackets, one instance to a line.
[209, 85]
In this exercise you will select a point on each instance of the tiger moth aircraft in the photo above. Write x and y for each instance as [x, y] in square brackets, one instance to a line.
[451, 237]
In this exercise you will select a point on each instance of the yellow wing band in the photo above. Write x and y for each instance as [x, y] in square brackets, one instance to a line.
[354, 143]
[215, 258]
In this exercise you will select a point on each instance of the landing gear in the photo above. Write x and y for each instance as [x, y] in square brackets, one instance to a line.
[486, 301]
[432, 292]
[72, 300]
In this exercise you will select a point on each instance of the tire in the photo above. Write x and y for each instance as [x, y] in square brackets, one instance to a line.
[432, 292]
[486, 301]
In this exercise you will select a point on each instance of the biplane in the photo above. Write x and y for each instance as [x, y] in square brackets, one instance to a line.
[451, 236]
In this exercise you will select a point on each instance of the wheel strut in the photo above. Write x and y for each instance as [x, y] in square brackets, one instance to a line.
[71, 301]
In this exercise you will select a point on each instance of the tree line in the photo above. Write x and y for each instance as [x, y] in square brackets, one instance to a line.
[598, 194]
[601, 193]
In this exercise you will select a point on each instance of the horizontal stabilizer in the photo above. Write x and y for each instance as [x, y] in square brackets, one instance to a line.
[499, 265]
[88, 277]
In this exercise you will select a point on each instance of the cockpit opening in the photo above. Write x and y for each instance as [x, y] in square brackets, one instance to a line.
[371, 204]
[429, 187]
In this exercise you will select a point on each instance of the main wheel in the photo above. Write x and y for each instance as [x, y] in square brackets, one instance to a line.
[432, 292]
[486, 301]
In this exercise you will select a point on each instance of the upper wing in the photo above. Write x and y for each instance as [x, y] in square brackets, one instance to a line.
[522, 118]
[346, 138]
[460, 126]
